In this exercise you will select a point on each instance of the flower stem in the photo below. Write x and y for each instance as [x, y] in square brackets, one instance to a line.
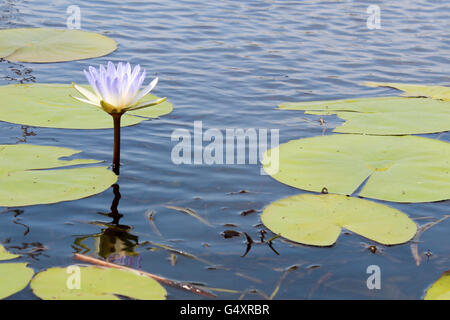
[116, 155]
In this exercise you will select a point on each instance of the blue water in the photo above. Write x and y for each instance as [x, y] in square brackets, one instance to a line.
[228, 64]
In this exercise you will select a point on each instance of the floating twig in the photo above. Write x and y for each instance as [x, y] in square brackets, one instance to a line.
[172, 283]
[248, 277]
[191, 213]
[273, 238]
[285, 273]
[223, 290]
[415, 240]
[324, 278]
[253, 291]
[151, 217]
[179, 252]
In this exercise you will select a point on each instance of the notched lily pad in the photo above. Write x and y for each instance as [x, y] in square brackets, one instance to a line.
[397, 168]
[95, 284]
[50, 105]
[26, 180]
[52, 45]
[318, 220]
[440, 290]
[382, 116]
[416, 90]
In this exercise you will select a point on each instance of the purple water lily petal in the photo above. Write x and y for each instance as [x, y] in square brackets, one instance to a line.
[91, 81]
[118, 86]
[111, 70]
[102, 89]
[147, 89]
[114, 88]
[120, 70]
[102, 72]
[128, 69]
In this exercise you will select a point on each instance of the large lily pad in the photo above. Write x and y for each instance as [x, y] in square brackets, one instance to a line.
[25, 181]
[14, 277]
[318, 219]
[415, 90]
[96, 284]
[440, 290]
[52, 45]
[50, 105]
[397, 168]
[382, 116]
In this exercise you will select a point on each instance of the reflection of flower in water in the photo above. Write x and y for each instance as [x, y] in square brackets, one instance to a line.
[114, 243]
[116, 240]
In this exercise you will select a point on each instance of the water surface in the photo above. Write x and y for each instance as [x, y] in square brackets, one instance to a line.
[228, 64]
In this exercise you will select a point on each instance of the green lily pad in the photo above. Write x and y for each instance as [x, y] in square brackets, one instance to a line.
[49, 105]
[5, 255]
[52, 45]
[14, 277]
[440, 290]
[397, 168]
[382, 116]
[96, 284]
[318, 219]
[415, 90]
[25, 180]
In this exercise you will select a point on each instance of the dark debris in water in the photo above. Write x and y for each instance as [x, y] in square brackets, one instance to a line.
[31, 249]
[239, 192]
[16, 215]
[227, 234]
[247, 212]
[313, 266]
[249, 243]
[230, 225]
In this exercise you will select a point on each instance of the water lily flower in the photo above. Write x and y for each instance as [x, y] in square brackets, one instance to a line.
[116, 91]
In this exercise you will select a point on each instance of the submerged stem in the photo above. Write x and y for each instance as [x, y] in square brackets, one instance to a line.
[116, 155]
